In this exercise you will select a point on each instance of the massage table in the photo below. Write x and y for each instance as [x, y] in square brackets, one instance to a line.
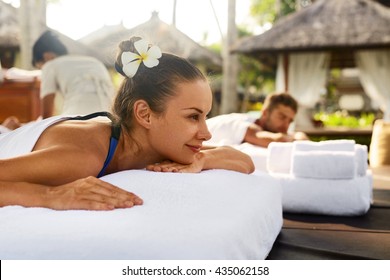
[215, 214]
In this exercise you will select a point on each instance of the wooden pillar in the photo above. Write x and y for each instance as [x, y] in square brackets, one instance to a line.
[229, 99]
[285, 71]
[32, 22]
[174, 13]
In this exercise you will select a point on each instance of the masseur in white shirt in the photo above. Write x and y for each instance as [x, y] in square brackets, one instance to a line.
[83, 82]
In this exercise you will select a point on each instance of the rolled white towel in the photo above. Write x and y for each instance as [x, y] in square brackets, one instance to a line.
[361, 157]
[324, 164]
[328, 145]
[350, 197]
[279, 157]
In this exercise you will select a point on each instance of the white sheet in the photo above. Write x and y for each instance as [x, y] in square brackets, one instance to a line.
[216, 214]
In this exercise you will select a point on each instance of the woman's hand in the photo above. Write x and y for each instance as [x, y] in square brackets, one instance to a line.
[89, 194]
[169, 166]
[210, 158]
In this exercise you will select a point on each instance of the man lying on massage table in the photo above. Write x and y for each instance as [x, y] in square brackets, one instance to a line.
[272, 125]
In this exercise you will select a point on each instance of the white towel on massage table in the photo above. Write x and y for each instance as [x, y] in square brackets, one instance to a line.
[280, 155]
[350, 197]
[361, 154]
[328, 145]
[323, 164]
[216, 214]
[328, 196]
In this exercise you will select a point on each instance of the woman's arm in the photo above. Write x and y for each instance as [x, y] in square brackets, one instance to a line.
[88, 193]
[227, 158]
[59, 178]
[210, 158]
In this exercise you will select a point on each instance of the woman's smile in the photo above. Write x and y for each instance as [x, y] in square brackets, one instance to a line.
[195, 149]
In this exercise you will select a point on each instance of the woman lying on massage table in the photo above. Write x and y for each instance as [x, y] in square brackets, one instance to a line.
[159, 123]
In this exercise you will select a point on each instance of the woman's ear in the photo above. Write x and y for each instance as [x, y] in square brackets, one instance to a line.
[142, 113]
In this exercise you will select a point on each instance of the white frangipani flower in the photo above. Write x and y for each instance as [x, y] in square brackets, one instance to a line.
[149, 57]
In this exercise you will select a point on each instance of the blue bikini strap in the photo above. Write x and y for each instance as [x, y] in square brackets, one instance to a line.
[115, 134]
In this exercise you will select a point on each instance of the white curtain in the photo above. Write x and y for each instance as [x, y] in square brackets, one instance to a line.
[374, 71]
[307, 73]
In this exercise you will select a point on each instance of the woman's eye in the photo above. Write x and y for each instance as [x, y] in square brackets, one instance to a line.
[195, 117]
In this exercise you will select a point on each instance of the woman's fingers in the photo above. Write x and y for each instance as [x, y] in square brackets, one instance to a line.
[92, 194]
[113, 192]
[165, 166]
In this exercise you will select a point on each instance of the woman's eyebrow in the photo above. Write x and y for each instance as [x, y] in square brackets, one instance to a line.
[194, 108]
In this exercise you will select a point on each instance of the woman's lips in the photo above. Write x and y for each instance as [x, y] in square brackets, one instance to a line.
[195, 149]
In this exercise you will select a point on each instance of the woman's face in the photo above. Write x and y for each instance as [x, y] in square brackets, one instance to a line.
[179, 132]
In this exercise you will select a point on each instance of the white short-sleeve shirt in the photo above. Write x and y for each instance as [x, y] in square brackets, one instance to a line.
[83, 83]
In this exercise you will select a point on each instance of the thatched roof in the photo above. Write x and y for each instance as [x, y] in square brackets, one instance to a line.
[76, 47]
[9, 29]
[156, 32]
[330, 25]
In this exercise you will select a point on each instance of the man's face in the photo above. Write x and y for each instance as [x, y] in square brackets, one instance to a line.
[279, 119]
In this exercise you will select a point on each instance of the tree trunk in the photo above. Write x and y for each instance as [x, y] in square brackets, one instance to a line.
[32, 22]
[230, 61]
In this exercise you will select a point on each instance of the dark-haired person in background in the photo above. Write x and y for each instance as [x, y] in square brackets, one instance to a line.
[83, 82]
[278, 112]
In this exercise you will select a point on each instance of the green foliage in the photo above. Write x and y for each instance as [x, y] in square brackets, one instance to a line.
[343, 119]
[363, 140]
[252, 72]
[265, 11]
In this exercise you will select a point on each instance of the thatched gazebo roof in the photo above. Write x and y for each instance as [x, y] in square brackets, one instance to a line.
[327, 25]
[156, 32]
[76, 47]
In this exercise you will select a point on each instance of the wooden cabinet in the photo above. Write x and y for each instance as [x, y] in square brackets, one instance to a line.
[20, 99]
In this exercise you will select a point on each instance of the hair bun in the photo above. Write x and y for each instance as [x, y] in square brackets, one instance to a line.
[135, 52]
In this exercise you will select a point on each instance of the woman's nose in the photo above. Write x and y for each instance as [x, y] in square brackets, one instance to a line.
[204, 132]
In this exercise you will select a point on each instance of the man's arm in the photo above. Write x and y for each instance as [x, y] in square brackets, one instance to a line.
[257, 136]
[48, 105]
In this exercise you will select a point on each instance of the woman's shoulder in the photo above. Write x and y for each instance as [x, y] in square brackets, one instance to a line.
[22, 140]
[89, 136]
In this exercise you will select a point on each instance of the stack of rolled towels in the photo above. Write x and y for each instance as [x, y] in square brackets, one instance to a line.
[332, 159]
[327, 177]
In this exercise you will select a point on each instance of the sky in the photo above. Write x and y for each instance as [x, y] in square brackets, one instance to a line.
[77, 18]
